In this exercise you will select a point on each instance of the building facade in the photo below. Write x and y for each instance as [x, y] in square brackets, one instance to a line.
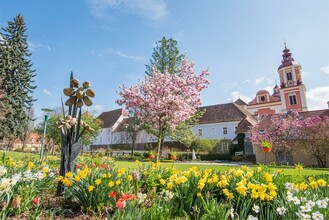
[289, 95]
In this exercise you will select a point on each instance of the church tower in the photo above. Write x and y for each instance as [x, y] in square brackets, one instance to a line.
[292, 89]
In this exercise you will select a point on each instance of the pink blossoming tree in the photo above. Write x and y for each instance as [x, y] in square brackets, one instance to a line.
[163, 99]
[280, 130]
[314, 138]
[288, 132]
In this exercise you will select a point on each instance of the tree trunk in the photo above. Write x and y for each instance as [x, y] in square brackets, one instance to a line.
[159, 147]
[8, 144]
[133, 142]
[277, 158]
[322, 162]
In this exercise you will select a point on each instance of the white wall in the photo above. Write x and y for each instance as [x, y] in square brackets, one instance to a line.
[104, 137]
[215, 130]
[210, 131]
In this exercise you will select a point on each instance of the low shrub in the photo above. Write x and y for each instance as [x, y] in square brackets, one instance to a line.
[215, 156]
[137, 154]
[236, 158]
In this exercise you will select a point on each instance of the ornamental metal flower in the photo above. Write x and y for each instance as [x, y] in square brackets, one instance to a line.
[79, 95]
[71, 126]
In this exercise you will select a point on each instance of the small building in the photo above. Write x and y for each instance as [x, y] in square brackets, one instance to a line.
[293, 156]
[217, 122]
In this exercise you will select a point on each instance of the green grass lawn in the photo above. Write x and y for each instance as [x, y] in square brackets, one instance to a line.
[185, 166]
[179, 166]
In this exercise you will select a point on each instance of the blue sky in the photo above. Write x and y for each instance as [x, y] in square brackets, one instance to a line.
[108, 42]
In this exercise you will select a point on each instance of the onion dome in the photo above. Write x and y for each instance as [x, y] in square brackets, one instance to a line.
[287, 59]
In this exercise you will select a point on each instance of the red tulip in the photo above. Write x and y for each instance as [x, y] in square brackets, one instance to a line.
[112, 194]
[78, 166]
[93, 165]
[36, 201]
[121, 203]
[101, 165]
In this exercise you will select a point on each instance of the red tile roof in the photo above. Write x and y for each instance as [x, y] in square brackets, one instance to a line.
[267, 120]
[221, 113]
[111, 117]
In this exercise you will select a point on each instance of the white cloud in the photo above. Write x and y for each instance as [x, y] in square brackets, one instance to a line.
[154, 10]
[119, 53]
[263, 79]
[325, 69]
[47, 92]
[246, 81]
[236, 95]
[317, 98]
[124, 55]
[33, 46]
[269, 89]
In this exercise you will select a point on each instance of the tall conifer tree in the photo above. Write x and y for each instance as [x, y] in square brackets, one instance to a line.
[17, 77]
[165, 57]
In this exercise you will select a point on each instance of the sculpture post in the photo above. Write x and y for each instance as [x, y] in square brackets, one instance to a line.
[72, 127]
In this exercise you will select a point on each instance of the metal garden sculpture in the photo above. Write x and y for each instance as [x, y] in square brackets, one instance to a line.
[72, 127]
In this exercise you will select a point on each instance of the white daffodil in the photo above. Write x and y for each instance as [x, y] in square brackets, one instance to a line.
[296, 201]
[256, 208]
[317, 216]
[281, 210]
[250, 217]
[3, 170]
[322, 204]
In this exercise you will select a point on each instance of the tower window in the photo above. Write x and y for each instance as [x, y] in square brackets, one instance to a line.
[262, 98]
[289, 76]
[292, 99]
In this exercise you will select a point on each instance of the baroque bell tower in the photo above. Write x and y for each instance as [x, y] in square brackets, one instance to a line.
[292, 89]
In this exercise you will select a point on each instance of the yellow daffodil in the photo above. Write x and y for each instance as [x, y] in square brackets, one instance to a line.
[322, 182]
[268, 177]
[98, 181]
[163, 182]
[30, 165]
[77, 178]
[90, 188]
[68, 174]
[111, 184]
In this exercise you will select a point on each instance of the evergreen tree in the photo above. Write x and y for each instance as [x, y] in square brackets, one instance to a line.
[165, 57]
[16, 79]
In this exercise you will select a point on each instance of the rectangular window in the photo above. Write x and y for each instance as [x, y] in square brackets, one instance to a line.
[100, 139]
[292, 100]
[224, 130]
[225, 146]
[200, 132]
[289, 76]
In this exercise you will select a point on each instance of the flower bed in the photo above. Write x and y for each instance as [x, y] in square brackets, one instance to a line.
[152, 192]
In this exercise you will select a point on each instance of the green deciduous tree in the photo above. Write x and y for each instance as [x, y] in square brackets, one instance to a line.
[204, 144]
[183, 132]
[165, 56]
[53, 135]
[17, 77]
[95, 124]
